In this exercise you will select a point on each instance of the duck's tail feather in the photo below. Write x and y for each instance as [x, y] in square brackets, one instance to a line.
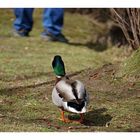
[78, 106]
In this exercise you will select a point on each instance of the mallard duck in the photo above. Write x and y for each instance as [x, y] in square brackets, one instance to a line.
[69, 95]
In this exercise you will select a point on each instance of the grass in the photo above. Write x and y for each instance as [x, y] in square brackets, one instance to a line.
[131, 66]
[26, 75]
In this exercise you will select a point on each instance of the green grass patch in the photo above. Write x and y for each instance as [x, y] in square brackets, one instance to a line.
[131, 66]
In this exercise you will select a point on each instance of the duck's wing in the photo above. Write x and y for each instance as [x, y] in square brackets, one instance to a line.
[81, 91]
[70, 90]
[64, 91]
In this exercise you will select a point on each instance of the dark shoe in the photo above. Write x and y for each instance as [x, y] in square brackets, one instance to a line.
[21, 33]
[50, 37]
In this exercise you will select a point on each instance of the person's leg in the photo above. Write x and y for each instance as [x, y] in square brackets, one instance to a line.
[53, 24]
[53, 20]
[24, 20]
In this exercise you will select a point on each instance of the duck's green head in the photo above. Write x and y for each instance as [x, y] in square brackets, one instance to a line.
[58, 66]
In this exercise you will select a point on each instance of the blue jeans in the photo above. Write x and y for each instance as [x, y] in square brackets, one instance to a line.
[52, 19]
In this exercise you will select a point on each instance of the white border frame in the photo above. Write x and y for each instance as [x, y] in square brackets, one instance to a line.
[70, 136]
[70, 3]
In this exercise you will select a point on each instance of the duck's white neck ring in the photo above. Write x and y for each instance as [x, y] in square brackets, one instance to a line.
[58, 76]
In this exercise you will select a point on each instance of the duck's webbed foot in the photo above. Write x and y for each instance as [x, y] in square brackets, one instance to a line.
[67, 120]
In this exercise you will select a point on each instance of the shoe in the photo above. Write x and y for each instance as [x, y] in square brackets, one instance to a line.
[50, 37]
[20, 33]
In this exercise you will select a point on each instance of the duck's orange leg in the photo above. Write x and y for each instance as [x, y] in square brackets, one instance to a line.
[81, 118]
[63, 117]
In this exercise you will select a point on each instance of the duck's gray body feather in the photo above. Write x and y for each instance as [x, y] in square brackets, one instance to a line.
[67, 93]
